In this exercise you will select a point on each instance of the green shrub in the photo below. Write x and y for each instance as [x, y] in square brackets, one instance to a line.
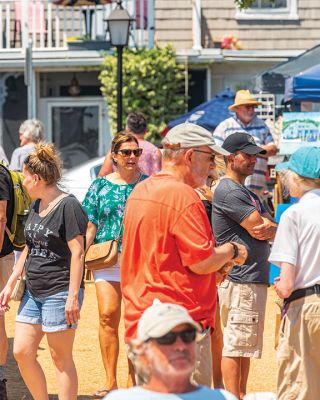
[242, 4]
[153, 83]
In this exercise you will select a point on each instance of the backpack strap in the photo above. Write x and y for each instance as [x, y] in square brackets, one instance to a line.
[7, 230]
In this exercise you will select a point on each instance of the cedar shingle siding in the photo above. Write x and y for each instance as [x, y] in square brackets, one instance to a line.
[173, 23]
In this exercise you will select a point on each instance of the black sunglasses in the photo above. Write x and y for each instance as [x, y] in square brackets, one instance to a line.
[187, 336]
[212, 156]
[128, 152]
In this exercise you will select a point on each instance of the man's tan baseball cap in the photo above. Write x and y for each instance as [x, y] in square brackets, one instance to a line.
[160, 318]
[188, 135]
[243, 98]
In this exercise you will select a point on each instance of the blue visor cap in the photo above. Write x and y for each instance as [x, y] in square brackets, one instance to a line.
[304, 162]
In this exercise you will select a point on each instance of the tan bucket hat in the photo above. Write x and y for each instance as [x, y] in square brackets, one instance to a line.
[244, 97]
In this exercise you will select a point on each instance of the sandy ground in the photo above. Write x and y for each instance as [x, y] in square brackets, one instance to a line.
[88, 360]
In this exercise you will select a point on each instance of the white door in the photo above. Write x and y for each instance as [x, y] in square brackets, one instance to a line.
[79, 127]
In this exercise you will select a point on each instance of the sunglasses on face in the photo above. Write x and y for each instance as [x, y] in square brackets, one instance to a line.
[212, 156]
[128, 152]
[187, 336]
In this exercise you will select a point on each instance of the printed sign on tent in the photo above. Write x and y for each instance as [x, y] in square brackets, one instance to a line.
[299, 129]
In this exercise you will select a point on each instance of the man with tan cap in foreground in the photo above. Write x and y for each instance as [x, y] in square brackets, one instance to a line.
[168, 249]
[246, 121]
[164, 354]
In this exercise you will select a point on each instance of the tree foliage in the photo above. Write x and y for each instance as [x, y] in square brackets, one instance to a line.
[242, 4]
[153, 83]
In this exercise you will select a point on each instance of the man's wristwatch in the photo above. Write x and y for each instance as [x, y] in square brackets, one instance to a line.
[235, 250]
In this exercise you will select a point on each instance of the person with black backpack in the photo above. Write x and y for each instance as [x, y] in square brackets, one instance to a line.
[6, 264]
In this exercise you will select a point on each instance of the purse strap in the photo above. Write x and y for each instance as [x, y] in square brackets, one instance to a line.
[121, 225]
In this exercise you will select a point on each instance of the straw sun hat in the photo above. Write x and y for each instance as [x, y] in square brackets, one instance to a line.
[244, 97]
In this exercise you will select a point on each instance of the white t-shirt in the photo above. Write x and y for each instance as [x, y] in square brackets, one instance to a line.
[298, 239]
[138, 393]
[19, 155]
[3, 156]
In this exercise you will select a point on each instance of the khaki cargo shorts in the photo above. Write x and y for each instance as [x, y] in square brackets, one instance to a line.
[6, 267]
[242, 308]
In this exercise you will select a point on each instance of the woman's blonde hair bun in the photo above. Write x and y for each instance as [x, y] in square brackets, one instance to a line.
[46, 152]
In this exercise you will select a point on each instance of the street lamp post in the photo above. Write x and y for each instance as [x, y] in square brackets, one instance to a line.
[119, 24]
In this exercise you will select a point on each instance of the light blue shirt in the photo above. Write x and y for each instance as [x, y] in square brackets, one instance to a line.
[201, 393]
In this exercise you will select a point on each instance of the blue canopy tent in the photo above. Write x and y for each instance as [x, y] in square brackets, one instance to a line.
[210, 113]
[305, 86]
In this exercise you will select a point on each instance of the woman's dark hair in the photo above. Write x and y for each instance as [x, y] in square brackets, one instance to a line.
[45, 162]
[136, 122]
[121, 138]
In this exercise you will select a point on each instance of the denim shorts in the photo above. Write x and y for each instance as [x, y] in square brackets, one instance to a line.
[47, 311]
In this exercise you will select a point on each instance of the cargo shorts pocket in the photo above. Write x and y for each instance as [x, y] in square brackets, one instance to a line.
[243, 328]
[247, 297]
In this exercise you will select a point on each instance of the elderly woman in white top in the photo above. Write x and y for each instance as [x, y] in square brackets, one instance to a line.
[296, 250]
[31, 132]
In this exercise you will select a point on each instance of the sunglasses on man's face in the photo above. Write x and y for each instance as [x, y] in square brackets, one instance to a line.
[187, 336]
[128, 152]
[212, 155]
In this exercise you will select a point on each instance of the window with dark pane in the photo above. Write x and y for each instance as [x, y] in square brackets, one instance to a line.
[265, 4]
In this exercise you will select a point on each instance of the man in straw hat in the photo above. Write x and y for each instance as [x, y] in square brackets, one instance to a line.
[164, 355]
[246, 121]
[168, 249]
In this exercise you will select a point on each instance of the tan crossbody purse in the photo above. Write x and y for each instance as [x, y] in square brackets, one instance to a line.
[103, 255]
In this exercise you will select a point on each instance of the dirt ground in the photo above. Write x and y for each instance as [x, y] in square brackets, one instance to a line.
[88, 360]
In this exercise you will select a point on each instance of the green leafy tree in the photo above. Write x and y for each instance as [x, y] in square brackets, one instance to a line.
[153, 82]
[242, 4]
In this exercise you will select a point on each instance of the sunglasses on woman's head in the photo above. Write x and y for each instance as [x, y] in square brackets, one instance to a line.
[187, 336]
[128, 152]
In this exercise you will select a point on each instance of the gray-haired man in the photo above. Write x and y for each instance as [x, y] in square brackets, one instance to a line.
[168, 248]
[164, 352]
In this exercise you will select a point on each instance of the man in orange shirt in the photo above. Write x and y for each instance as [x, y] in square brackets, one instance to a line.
[168, 250]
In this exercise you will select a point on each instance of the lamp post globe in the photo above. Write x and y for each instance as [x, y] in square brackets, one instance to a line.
[119, 26]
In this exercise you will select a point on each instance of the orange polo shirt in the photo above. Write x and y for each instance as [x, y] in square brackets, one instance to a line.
[166, 229]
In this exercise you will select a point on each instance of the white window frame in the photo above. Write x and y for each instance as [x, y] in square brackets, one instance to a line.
[49, 103]
[287, 13]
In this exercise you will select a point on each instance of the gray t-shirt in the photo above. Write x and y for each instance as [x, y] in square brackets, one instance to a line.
[232, 204]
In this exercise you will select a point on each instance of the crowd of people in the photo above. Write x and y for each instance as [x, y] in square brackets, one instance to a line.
[193, 246]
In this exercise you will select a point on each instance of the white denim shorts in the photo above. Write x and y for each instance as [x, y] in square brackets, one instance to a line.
[111, 274]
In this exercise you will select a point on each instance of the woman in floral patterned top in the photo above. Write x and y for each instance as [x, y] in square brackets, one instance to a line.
[104, 204]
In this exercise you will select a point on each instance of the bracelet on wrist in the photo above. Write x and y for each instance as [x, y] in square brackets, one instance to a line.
[235, 250]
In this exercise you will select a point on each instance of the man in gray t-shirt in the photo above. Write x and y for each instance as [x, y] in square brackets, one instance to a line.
[238, 215]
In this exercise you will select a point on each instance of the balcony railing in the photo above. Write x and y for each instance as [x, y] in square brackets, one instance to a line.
[50, 26]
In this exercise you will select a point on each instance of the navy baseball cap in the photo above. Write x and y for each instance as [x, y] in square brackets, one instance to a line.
[304, 162]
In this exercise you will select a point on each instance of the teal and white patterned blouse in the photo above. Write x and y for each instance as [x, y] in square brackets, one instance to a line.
[104, 204]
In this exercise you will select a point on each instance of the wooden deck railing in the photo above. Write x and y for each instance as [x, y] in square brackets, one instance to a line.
[50, 26]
